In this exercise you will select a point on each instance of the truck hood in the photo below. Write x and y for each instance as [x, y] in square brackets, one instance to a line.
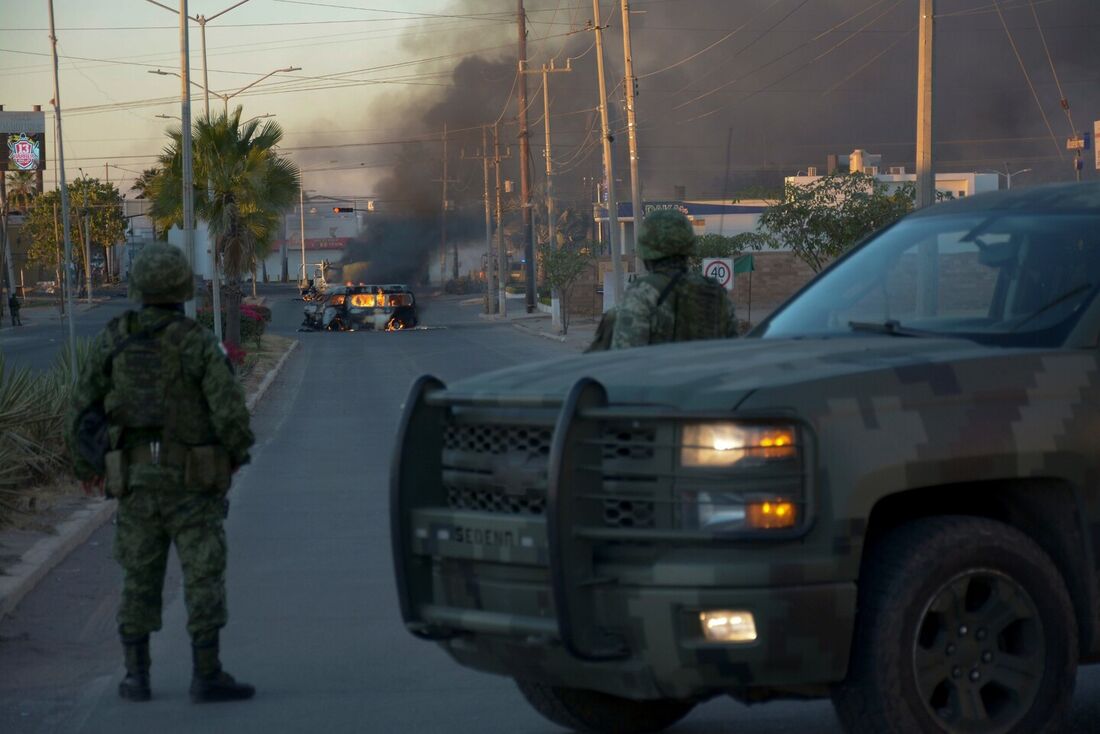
[718, 375]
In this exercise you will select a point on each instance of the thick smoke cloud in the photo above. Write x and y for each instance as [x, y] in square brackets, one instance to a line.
[801, 79]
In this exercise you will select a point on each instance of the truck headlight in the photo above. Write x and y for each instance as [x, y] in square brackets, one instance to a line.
[732, 511]
[728, 444]
[740, 476]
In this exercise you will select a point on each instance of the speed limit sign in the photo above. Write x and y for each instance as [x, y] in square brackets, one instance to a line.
[720, 269]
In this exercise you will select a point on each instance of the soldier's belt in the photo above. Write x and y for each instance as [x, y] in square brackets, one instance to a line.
[159, 453]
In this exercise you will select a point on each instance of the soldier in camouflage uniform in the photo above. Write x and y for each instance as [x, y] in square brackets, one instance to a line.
[669, 303]
[178, 428]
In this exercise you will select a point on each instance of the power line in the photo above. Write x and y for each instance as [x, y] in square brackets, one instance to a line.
[1023, 68]
[990, 8]
[820, 56]
[703, 50]
[1053, 71]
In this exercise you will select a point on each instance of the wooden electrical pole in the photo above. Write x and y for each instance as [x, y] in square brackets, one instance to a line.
[546, 71]
[490, 286]
[631, 87]
[608, 165]
[525, 161]
[926, 171]
[502, 253]
[67, 226]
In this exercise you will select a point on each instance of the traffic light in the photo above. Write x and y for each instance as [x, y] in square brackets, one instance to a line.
[342, 209]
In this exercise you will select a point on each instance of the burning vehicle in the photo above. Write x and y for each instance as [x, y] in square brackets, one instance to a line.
[364, 307]
[328, 312]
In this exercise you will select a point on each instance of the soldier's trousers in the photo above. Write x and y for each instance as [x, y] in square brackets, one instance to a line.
[149, 521]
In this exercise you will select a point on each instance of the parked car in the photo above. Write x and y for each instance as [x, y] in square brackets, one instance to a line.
[889, 493]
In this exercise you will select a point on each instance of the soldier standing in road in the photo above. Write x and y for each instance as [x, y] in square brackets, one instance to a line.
[15, 305]
[177, 429]
[671, 304]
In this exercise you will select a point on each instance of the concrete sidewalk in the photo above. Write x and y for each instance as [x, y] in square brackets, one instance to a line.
[580, 334]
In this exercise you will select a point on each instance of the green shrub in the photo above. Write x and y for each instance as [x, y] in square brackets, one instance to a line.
[33, 411]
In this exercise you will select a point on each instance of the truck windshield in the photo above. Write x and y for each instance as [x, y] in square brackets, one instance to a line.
[999, 278]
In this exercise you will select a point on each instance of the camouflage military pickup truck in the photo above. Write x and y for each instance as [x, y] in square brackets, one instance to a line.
[888, 494]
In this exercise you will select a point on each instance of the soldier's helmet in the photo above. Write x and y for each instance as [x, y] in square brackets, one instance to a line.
[666, 233]
[160, 274]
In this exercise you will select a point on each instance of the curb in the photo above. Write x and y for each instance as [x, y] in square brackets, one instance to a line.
[52, 550]
[269, 378]
[543, 334]
[48, 552]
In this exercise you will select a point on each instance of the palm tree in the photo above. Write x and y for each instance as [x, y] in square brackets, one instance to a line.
[144, 188]
[242, 186]
[22, 188]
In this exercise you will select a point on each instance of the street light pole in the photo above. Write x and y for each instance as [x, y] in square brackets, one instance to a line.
[302, 227]
[66, 225]
[227, 97]
[188, 163]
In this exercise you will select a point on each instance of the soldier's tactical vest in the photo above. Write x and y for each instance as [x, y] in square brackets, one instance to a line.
[698, 302]
[151, 390]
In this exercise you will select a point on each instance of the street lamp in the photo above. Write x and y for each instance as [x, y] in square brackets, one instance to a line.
[169, 117]
[1008, 176]
[226, 97]
[202, 20]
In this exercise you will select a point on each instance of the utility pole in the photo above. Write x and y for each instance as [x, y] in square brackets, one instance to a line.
[88, 255]
[66, 225]
[926, 173]
[185, 144]
[525, 161]
[443, 221]
[302, 229]
[502, 254]
[484, 157]
[608, 165]
[550, 221]
[631, 87]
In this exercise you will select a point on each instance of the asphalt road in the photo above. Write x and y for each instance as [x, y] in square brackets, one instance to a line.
[36, 344]
[314, 622]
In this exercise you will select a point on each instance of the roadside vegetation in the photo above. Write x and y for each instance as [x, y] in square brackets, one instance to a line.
[33, 410]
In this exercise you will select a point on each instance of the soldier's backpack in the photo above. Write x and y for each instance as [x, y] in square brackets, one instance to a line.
[700, 305]
[92, 441]
[601, 341]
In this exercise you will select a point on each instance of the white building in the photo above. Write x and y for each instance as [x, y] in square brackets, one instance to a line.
[957, 185]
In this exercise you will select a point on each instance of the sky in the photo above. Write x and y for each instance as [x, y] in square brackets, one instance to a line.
[732, 92]
[108, 48]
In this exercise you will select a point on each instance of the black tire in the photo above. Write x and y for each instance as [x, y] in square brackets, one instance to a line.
[926, 593]
[593, 712]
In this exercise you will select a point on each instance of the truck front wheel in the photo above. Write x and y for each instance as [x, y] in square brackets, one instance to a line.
[593, 712]
[964, 625]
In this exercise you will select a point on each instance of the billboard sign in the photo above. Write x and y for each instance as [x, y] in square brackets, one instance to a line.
[22, 141]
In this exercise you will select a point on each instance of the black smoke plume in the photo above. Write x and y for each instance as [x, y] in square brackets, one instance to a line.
[795, 81]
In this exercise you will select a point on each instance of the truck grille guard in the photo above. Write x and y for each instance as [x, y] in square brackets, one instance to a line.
[593, 496]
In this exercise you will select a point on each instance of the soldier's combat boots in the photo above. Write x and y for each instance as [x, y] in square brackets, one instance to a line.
[211, 684]
[135, 686]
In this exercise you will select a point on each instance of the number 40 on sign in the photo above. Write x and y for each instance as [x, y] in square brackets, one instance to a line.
[720, 269]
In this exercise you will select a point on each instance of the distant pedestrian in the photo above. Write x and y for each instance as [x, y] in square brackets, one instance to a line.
[15, 305]
[176, 430]
[670, 304]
